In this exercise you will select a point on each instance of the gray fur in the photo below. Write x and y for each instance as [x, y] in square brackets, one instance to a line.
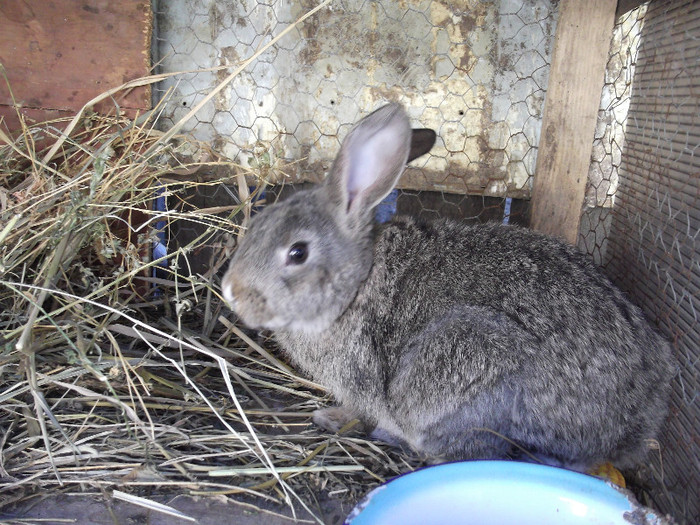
[458, 341]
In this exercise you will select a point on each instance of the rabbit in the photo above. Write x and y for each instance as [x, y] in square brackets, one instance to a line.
[458, 341]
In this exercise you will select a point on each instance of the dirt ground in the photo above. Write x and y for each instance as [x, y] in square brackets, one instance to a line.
[87, 510]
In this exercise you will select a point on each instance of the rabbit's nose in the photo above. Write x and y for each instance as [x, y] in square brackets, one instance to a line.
[227, 292]
[227, 286]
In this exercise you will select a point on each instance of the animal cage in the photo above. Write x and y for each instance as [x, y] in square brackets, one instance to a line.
[477, 73]
[580, 119]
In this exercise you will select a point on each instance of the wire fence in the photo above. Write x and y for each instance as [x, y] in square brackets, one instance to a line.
[642, 214]
[477, 76]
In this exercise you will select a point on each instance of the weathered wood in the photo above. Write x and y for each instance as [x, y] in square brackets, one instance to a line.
[584, 31]
[59, 55]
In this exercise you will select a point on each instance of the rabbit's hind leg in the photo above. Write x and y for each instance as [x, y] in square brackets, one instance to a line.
[474, 431]
[456, 384]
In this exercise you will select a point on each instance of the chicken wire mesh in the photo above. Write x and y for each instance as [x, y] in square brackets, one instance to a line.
[608, 142]
[476, 72]
[641, 217]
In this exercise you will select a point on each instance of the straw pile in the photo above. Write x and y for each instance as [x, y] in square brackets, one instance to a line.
[123, 372]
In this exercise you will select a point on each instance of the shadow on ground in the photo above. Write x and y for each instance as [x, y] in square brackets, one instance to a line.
[95, 510]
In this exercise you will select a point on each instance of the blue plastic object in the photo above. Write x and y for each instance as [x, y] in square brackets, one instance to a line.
[386, 209]
[498, 492]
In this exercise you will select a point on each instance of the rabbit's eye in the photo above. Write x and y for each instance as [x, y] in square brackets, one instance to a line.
[298, 253]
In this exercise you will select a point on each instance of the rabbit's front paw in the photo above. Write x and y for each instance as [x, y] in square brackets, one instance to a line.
[334, 419]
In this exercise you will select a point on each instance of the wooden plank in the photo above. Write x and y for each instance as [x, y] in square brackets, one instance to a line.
[584, 31]
[59, 55]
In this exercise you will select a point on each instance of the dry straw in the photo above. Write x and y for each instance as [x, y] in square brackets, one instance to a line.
[116, 378]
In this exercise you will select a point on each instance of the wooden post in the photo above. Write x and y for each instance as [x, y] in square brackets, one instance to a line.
[576, 77]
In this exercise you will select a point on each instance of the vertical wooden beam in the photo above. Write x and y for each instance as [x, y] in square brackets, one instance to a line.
[576, 77]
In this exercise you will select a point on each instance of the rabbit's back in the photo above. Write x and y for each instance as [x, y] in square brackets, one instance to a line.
[581, 355]
[542, 283]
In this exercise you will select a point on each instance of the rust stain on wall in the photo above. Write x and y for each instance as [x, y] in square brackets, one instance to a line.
[473, 71]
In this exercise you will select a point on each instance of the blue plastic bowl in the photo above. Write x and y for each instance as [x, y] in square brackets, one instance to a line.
[486, 492]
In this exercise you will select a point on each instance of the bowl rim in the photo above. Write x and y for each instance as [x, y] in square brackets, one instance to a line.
[550, 476]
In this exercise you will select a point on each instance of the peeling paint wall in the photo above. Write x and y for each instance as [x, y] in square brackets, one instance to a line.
[475, 71]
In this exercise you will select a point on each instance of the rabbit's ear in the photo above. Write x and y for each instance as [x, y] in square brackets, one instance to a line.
[422, 141]
[370, 162]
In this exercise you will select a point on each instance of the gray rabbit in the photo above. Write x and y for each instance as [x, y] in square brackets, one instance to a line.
[459, 341]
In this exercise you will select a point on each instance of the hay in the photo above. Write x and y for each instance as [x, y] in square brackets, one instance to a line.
[113, 378]
[120, 371]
